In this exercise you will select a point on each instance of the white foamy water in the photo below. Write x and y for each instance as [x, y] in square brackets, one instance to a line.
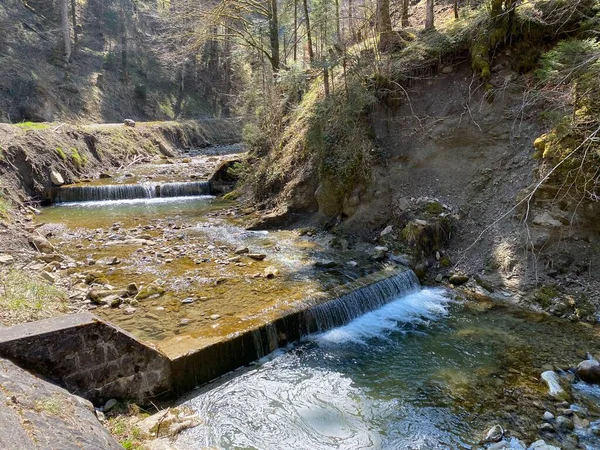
[134, 201]
[310, 398]
[419, 307]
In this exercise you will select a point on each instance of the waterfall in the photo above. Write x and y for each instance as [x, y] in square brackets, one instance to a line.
[242, 348]
[130, 191]
[341, 310]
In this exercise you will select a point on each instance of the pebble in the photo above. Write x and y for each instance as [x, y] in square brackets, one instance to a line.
[187, 301]
[546, 427]
[215, 317]
[130, 310]
[494, 434]
[184, 322]
[548, 416]
[110, 404]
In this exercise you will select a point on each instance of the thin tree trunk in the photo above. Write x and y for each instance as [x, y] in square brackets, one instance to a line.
[456, 9]
[351, 20]
[429, 15]
[326, 81]
[405, 13]
[338, 27]
[311, 54]
[123, 33]
[274, 37]
[65, 28]
[295, 30]
[384, 24]
[74, 19]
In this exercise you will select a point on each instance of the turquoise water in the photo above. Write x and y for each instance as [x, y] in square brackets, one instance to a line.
[423, 372]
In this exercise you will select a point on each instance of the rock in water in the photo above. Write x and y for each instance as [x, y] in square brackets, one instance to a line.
[56, 178]
[541, 445]
[495, 434]
[589, 371]
[551, 379]
[564, 423]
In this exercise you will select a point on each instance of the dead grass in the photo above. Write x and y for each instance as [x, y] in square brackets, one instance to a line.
[24, 298]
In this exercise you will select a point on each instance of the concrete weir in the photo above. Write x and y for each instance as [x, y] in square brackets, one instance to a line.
[97, 360]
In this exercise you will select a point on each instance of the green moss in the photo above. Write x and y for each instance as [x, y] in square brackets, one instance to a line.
[445, 261]
[33, 126]
[233, 195]
[78, 160]
[434, 208]
[4, 208]
[544, 295]
[61, 153]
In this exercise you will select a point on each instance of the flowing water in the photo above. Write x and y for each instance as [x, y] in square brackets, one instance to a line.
[417, 371]
[171, 235]
[422, 372]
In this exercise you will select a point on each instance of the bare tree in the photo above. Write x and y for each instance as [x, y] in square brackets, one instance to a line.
[429, 15]
[311, 54]
[65, 28]
[405, 13]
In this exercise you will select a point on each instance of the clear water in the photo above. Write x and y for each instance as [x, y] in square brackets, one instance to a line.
[422, 372]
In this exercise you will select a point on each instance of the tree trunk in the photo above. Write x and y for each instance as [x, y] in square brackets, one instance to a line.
[295, 30]
[65, 28]
[429, 15]
[274, 37]
[74, 19]
[338, 27]
[405, 13]
[351, 21]
[311, 54]
[123, 36]
[326, 81]
[456, 9]
[384, 25]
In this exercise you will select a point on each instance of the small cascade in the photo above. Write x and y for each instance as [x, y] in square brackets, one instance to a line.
[348, 307]
[191, 189]
[130, 191]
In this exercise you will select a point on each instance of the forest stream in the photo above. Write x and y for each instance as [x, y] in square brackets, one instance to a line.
[426, 370]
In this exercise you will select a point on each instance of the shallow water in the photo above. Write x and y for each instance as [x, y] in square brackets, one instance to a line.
[188, 245]
[422, 372]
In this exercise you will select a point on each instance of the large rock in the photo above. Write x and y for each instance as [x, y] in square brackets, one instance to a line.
[56, 178]
[553, 382]
[38, 415]
[458, 278]
[41, 244]
[589, 371]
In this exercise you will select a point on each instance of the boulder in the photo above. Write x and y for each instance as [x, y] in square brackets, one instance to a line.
[589, 371]
[56, 178]
[36, 414]
[129, 123]
[41, 244]
[458, 278]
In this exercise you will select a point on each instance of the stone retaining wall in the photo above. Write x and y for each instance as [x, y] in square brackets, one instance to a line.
[89, 357]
